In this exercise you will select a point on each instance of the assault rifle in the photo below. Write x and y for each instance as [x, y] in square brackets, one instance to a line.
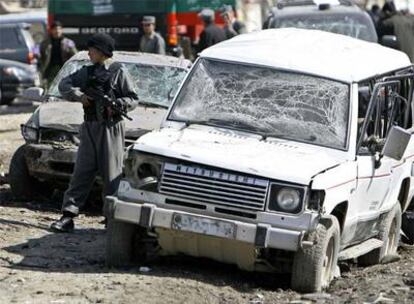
[103, 101]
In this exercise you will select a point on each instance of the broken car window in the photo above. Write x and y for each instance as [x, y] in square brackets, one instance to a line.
[154, 83]
[268, 101]
[345, 25]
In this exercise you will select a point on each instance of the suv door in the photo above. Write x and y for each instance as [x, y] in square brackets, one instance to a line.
[374, 172]
[403, 119]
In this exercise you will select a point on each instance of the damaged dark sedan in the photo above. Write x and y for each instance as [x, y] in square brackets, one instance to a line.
[46, 161]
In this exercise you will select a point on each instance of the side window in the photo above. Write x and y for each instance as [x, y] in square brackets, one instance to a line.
[9, 38]
[389, 104]
[407, 92]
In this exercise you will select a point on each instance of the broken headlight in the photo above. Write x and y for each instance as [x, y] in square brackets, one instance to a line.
[142, 170]
[51, 135]
[288, 199]
[30, 134]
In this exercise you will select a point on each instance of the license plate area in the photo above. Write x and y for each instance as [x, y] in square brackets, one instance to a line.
[201, 225]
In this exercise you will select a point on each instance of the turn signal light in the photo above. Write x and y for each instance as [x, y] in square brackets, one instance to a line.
[31, 58]
[172, 40]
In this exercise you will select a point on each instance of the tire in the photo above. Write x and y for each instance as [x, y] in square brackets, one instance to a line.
[120, 238]
[314, 267]
[408, 226]
[6, 100]
[389, 233]
[23, 186]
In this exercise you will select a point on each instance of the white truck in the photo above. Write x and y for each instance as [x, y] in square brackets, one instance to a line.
[284, 150]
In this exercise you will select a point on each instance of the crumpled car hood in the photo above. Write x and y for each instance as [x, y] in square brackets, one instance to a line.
[68, 116]
[274, 158]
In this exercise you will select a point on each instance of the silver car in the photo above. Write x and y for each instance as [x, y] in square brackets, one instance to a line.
[46, 160]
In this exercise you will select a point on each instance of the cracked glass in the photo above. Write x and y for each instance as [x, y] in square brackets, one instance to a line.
[346, 25]
[265, 101]
[154, 84]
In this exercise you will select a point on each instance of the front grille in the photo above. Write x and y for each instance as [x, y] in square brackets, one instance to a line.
[62, 167]
[214, 187]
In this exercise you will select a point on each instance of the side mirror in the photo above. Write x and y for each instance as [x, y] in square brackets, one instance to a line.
[33, 94]
[390, 41]
[396, 143]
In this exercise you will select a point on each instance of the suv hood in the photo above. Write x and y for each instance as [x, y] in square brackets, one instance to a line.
[68, 116]
[274, 158]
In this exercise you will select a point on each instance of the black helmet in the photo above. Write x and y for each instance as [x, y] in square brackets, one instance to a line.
[103, 43]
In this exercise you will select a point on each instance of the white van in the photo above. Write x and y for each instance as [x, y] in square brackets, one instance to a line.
[283, 150]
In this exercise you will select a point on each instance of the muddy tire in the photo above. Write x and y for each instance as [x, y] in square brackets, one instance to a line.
[314, 267]
[389, 233]
[120, 238]
[6, 100]
[408, 226]
[23, 186]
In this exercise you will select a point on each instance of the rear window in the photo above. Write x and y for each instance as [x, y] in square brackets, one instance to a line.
[353, 25]
[10, 38]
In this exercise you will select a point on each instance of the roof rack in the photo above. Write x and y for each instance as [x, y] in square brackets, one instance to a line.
[287, 3]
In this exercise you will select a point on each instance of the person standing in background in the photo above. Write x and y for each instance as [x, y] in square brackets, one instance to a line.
[399, 25]
[55, 50]
[375, 14]
[211, 34]
[151, 41]
[232, 26]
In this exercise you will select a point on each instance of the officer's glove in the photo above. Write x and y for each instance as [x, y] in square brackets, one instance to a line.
[86, 101]
[120, 104]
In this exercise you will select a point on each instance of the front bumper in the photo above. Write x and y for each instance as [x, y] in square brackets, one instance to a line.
[153, 216]
[47, 162]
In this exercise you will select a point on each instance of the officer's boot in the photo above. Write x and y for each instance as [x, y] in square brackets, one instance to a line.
[64, 224]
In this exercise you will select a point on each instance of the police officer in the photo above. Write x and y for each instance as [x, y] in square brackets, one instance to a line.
[211, 34]
[151, 41]
[101, 145]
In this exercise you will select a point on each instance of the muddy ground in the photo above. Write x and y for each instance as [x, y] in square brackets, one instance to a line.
[37, 266]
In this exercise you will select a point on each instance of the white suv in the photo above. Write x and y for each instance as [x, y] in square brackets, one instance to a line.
[284, 150]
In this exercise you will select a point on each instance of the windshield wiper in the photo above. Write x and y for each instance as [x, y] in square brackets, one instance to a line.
[153, 105]
[311, 138]
[235, 123]
[240, 125]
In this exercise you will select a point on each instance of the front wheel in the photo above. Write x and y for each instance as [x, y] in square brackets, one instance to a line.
[23, 186]
[314, 267]
[408, 226]
[119, 243]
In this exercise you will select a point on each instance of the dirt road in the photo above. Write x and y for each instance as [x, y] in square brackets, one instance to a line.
[37, 266]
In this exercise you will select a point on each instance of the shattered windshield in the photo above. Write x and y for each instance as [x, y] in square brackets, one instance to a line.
[266, 101]
[154, 84]
[346, 25]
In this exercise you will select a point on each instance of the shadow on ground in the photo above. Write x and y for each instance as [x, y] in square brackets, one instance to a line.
[84, 252]
[52, 203]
